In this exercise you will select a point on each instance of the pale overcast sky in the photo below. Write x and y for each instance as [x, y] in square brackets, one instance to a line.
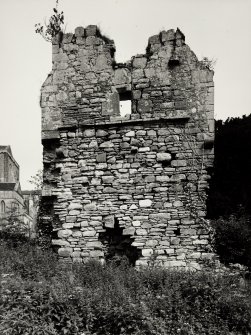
[217, 29]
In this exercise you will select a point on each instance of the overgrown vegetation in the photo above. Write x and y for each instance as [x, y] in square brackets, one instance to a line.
[229, 202]
[42, 296]
[233, 239]
[230, 187]
[13, 228]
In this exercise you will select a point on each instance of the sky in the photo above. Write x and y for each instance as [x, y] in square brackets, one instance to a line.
[217, 29]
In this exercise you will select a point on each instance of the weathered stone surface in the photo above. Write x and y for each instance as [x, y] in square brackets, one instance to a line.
[89, 133]
[68, 225]
[138, 180]
[90, 207]
[60, 242]
[101, 158]
[108, 144]
[163, 157]
[89, 233]
[75, 205]
[64, 233]
[109, 221]
[145, 203]
[65, 252]
[107, 179]
[129, 231]
[96, 253]
[147, 252]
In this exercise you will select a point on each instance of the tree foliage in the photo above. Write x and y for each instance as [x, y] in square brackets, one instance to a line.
[54, 27]
[230, 186]
[13, 228]
[229, 198]
[37, 180]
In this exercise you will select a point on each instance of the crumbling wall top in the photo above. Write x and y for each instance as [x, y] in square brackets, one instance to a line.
[87, 85]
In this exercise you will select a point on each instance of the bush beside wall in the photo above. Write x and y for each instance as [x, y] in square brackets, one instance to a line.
[41, 296]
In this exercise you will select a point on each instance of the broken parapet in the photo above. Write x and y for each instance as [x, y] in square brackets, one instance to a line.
[133, 185]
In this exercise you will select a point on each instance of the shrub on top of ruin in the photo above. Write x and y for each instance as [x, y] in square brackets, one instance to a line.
[53, 27]
[209, 63]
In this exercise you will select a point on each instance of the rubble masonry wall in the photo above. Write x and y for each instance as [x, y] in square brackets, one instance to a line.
[146, 172]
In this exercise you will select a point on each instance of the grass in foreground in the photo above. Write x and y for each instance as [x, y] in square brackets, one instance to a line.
[40, 296]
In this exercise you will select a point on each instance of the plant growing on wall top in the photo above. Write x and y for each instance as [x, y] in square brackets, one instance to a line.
[54, 27]
[209, 63]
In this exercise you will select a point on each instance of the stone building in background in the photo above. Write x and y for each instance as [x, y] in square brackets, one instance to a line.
[132, 184]
[15, 205]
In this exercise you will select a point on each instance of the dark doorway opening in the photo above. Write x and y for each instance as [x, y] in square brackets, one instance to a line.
[118, 245]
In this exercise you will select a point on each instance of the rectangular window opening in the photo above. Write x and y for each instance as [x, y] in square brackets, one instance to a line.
[125, 103]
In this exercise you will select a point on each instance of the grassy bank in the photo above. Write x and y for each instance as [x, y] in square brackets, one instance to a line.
[40, 296]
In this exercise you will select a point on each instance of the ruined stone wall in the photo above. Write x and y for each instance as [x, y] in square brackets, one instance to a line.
[133, 185]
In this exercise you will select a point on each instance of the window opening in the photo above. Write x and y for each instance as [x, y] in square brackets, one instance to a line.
[125, 107]
[125, 103]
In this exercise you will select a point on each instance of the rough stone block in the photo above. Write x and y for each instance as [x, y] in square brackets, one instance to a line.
[139, 62]
[90, 207]
[107, 144]
[101, 133]
[109, 221]
[75, 205]
[129, 231]
[77, 233]
[94, 244]
[145, 203]
[65, 252]
[162, 179]
[147, 252]
[141, 232]
[89, 133]
[60, 242]
[178, 163]
[68, 225]
[91, 30]
[96, 253]
[164, 157]
[177, 203]
[80, 32]
[64, 233]
[89, 233]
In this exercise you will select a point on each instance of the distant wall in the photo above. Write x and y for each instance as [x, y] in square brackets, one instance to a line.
[9, 169]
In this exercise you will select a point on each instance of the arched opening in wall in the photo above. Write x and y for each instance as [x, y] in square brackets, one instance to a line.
[118, 245]
[125, 102]
[3, 207]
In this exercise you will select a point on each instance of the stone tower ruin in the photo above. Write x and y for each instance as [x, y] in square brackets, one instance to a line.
[131, 185]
